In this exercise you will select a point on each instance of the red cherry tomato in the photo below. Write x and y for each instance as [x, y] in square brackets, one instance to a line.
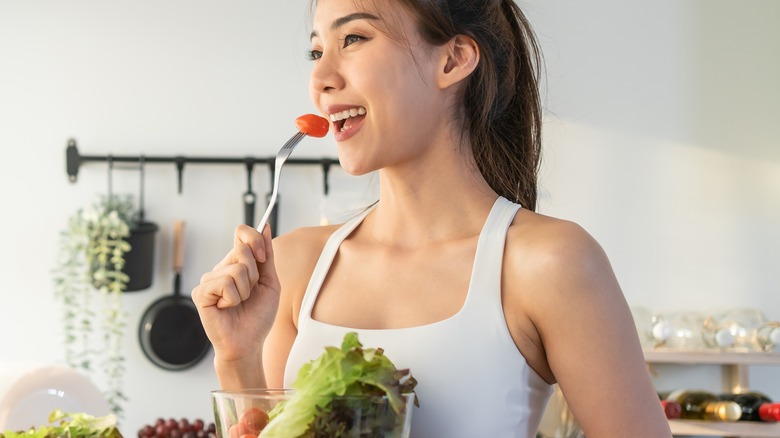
[253, 420]
[313, 125]
[236, 431]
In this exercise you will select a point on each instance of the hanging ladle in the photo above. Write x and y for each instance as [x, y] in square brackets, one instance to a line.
[249, 196]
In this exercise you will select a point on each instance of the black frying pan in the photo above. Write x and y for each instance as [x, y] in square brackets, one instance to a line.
[171, 334]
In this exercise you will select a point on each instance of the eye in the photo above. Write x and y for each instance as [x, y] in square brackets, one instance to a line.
[351, 39]
[313, 55]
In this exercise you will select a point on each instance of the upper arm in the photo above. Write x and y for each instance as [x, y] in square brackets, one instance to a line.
[589, 337]
[295, 255]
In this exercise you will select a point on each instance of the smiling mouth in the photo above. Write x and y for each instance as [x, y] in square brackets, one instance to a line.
[343, 120]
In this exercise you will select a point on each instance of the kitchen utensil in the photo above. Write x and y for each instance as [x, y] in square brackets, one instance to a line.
[139, 261]
[324, 219]
[273, 218]
[249, 196]
[170, 332]
[308, 124]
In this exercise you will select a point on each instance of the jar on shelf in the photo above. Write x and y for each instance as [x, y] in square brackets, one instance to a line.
[737, 330]
[768, 336]
[678, 330]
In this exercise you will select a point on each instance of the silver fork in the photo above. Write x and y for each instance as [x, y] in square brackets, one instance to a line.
[281, 157]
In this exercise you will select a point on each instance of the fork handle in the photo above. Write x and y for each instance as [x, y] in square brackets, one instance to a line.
[274, 193]
[267, 214]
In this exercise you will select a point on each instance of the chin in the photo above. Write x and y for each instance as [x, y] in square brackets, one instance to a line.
[354, 166]
[355, 169]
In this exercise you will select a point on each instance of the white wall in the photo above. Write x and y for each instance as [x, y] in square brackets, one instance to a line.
[661, 140]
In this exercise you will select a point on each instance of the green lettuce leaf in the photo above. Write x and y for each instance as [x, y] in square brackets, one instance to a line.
[350, 370]
[71, 425]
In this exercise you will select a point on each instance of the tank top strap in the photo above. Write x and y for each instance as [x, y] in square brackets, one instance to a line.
[324, 262]
[489, 257]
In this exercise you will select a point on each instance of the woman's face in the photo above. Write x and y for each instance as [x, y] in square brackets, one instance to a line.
[375, 80]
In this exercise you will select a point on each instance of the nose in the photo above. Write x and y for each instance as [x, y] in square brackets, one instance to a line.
[326, 76]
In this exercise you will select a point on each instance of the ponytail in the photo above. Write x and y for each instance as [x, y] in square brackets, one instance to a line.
[501, 107]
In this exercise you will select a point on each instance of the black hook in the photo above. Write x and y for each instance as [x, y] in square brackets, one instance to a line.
[325, 171]
[179, 160]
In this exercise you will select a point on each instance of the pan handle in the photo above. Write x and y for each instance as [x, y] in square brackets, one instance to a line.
[178, 246]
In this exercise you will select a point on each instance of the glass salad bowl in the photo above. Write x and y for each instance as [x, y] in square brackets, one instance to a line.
[283, 413]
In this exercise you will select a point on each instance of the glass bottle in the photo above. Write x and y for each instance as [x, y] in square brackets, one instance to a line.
[768, 336]
[769, 412]
[750, 403]
[671, 409]
[733, 330]
[703, 405]
[678, 330]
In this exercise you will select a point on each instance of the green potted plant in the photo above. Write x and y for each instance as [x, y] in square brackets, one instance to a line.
[89, 280]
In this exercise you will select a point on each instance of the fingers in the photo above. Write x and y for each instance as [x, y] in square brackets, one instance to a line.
[268, 271]
[220, 292]
[232, 279]
[253, 238]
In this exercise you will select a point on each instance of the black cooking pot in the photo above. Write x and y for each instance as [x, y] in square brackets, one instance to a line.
[170, 332]
[139, 261]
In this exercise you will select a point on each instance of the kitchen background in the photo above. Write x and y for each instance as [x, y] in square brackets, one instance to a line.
[662, 139]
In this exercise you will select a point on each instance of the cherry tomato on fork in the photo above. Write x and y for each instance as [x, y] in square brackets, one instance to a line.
[313, 125]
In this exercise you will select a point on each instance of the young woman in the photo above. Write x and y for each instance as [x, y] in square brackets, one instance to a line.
[451, 272]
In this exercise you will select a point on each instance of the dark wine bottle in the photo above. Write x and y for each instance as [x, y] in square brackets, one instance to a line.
[671, 409]
[749, 402]
[769, 412]
[703, 405]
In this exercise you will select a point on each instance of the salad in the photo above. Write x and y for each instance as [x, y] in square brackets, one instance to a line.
[71, 425]
[330, 392]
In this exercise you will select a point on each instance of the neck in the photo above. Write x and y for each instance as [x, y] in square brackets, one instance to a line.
[434, 198]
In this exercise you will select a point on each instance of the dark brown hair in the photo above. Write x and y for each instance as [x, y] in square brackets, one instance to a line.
[502, 112]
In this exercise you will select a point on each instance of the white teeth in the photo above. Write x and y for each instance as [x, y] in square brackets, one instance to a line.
[352, 112]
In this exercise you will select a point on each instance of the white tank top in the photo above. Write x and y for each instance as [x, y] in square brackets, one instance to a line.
[472, 380]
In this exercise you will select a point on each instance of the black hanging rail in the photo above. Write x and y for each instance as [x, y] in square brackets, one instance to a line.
[74, 160]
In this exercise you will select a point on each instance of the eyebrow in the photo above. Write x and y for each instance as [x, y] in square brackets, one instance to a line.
[346, 19]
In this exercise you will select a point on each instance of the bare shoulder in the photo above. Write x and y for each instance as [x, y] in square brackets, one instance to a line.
[297, 252]
[302, 241]
[548, 233]
[295, 255]
[539, 245]
[554, 266]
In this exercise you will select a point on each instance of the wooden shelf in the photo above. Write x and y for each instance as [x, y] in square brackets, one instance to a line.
[660, 355]
[735, 373]
[711, 428]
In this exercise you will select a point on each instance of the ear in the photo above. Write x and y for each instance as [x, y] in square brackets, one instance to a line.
[459, 58]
